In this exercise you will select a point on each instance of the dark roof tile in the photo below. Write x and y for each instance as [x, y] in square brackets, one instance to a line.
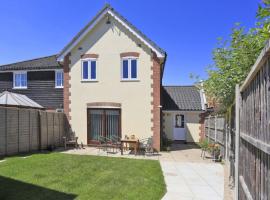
[48, 62]
[181, 98]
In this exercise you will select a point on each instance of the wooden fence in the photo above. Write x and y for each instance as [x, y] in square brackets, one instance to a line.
[253, 132]
[25, 130]
[220, 129]
[215, 131]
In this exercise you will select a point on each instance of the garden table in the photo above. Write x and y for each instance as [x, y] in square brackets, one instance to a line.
[130, 141]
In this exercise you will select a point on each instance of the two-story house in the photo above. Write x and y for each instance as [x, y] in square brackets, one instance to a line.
[112, 80]
[108, 79]
[40, 79]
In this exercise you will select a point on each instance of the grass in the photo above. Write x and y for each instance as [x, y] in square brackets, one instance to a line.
[61, 176]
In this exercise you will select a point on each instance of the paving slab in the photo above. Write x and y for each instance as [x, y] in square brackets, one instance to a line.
[187, 176]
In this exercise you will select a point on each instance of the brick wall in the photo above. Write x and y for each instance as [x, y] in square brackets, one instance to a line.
[156, 77]
[202, 127]
[67, 86]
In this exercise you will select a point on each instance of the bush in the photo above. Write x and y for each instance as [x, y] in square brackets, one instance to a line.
[204, 144]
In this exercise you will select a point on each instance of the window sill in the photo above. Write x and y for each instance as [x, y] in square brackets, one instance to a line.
[59, 87]
[85, 81]
[19, 88]
[130, 80]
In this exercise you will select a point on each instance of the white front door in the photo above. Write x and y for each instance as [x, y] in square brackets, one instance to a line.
[179, 130]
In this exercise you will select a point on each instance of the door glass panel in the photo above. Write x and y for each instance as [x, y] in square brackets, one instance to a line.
[112, 123]
[96, 128]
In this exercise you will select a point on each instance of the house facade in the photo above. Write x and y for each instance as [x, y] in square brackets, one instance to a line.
[112, 80]
[39, 79]
[108, 80]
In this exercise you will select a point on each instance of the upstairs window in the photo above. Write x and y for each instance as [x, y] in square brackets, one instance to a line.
[59, 79]
[89, 70]
[20, 80]
[129, 69]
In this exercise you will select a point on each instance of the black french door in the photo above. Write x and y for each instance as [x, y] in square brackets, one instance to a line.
[103, 122]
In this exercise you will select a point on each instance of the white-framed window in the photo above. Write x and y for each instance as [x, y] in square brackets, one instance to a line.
[89, 70]
[129, 69]
[20, 80]
[59, 78]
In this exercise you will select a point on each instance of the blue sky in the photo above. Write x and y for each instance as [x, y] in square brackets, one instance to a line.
[187, 30]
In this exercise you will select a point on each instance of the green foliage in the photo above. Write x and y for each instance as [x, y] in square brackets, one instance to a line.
[204, 144]
[233, 58]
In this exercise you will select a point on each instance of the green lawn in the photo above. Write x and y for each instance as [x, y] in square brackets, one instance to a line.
[61, 176]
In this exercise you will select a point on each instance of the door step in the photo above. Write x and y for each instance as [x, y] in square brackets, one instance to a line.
[179, 142]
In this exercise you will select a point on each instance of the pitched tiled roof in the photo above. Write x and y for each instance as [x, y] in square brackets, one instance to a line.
[182, 98]
[48, 62]
[108, 7]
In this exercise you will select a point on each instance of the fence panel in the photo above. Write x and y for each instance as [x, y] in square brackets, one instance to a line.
[50, 121]
[43, 130]
[56, 131]
[25, 130]
[254, 132]
[12, 145]
[34, 127]
[2, 131]
[215, 131]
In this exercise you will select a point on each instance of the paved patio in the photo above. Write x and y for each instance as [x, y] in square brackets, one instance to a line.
[186, 174]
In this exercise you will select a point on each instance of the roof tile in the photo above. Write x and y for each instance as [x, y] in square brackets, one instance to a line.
[48, 62]
[181, 98]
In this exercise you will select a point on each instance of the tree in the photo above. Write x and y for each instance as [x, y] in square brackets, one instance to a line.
[234, 58]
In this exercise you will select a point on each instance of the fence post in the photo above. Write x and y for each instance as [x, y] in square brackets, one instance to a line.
[215, 129]
[226, 137]
[237, 137]
[208, 135]
[6, 149]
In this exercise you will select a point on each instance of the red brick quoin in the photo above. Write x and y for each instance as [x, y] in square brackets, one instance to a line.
[67, 101]
[156, 77]
[202, 127]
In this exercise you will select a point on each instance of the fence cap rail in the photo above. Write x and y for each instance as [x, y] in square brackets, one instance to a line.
[257, 66]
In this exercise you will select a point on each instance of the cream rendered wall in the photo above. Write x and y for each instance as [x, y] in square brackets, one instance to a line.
[192, 124]
[108, 41]
[168, 124]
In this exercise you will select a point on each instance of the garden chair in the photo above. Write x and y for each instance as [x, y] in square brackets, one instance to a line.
[70, 140]
[146, 146]
[116, 143]
[102, 143]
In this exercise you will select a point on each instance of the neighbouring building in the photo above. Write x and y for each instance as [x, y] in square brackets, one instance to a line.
[108, 80]
[39, 79]
[183, 113]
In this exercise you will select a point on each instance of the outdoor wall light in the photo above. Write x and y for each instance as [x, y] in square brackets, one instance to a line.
[108, 20]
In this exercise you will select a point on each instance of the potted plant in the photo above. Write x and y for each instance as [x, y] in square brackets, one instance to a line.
[216, 152]
[169, 144]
